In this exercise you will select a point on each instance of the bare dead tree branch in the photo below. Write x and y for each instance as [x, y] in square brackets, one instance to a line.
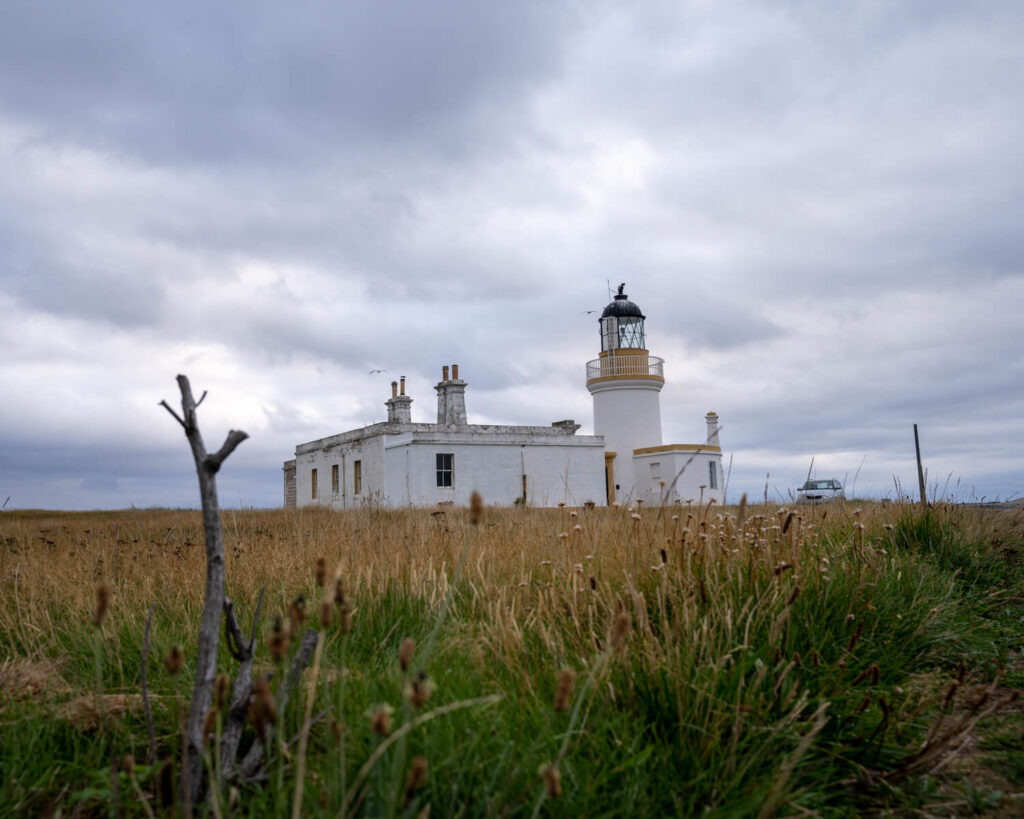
[201, 399]
[241, 691]
[174, 415]
[145, 692]
[213, 462]
[233, 633]
[213, 603]
[254, 759]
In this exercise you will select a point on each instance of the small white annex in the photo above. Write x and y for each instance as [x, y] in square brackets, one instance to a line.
[398, 462]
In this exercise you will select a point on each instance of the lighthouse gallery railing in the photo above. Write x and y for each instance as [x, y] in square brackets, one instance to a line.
[626, 365]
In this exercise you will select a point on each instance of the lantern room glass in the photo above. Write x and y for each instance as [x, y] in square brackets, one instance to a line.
[622, 332]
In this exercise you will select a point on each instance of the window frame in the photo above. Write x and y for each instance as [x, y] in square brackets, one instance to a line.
[357, 477]
[444, 470]
[313, 489]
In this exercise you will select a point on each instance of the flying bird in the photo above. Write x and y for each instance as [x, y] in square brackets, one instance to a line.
[371, 372]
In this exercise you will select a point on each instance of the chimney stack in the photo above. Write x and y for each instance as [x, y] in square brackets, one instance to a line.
[451, 398]
[399, 406]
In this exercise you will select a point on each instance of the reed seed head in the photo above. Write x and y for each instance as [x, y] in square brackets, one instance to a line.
[297, 613]
[417, 776]
[326, 612]
[103, 596]
[380, 720]
[552, 781]
[339, 592]
[563, 689]
[279, 640]
[344, 618]
[128, 764]
[174, 660]
[321, 572]
[620, 628]
[210, 724]
[166, 792]
[419, 689]
[262, 708]
[476, 508]
[221, 686]
[405, 652]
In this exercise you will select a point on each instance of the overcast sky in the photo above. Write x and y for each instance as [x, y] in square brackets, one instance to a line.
[818, 206]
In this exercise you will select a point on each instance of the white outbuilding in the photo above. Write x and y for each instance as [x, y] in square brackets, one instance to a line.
[399, 462]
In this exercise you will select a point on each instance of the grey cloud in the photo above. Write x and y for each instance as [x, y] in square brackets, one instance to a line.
[201, 82]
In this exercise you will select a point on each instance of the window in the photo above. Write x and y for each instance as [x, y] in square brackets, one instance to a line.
[656, 471]
[334, 479]
[713, 475]
[445, 463]
[357, 477]
[314, 484]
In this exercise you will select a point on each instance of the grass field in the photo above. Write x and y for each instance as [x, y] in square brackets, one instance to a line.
[848, 659]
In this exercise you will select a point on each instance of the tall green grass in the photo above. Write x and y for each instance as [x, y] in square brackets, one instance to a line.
[773, 662]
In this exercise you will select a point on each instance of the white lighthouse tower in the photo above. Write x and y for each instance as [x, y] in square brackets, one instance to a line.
[625, 382]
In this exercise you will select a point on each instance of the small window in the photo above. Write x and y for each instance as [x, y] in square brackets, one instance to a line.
[713, 475]
[656, 471]
[357, 477]
[334, 479]
[445, 463]
[314, 485]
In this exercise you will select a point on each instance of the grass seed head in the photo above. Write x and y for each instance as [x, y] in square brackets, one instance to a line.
[262, 708]
[419, 689]
[563, 689]
[417, 776]
[210, 724]
[620, 629]
[174, 660]
[405, 652]
[476, 508]
[297, 613]
[552, 781]
[380, 720]
[166, 792]
[278, 642]
[103, 596]
[221, 686]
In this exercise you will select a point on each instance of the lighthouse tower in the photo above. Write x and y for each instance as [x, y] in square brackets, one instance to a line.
[626, 383]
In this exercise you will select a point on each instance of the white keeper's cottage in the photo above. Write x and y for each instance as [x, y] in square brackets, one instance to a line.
[399, 462]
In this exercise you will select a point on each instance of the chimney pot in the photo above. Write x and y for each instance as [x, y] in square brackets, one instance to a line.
[394, 389]
[403, 385]
[444, 373]
[455, 372]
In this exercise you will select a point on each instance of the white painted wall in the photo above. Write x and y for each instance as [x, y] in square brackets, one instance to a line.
[344, 451]
[566, 472]
[695, 471]
[627, 413]
[399, 466]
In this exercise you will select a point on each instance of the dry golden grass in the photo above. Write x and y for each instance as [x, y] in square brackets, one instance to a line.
[738, 626]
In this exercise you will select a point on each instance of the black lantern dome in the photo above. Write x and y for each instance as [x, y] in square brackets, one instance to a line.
[622, 324]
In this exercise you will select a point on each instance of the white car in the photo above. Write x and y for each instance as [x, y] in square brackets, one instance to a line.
[818, 491]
